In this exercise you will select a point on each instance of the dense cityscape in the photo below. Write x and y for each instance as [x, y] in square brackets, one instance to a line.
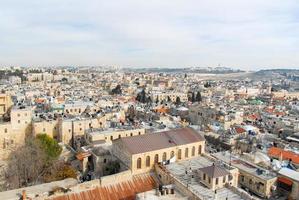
[149, 133]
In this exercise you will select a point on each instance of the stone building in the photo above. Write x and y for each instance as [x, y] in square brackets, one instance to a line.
[5, 103]
[14, 132]
[140, 153]
[215, 177]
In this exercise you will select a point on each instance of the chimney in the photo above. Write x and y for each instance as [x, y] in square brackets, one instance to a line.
[24, 195]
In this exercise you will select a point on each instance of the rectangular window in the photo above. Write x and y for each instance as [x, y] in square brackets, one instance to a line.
[242, 178]
[216, 181]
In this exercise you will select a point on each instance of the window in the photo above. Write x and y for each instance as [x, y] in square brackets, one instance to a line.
[224, 179]
[18, 115]
[216, 181]
[119, 136]
[19, 121]
[105, 160]
[139, 133]
[5, 130]
[111, 137]
[193, 151]
[209, 180]
[199, 149]
[131, 134]
[242, 178]
[139, 163]
[44, 130]
[171, 154]
[148, 161]
[164, 156]
[25, 114]
[186, 152]
[250, 181]
[204, 177]
[180, 154]
[156, 158]
[69, 130]
[80, 129]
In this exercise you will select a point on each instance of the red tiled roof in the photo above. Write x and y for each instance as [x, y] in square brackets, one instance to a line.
[286, 155]
[161, 140]
[254, 116]
[126, 190]
[240, 130]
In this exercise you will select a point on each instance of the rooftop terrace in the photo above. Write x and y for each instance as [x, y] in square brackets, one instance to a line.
[178, 170]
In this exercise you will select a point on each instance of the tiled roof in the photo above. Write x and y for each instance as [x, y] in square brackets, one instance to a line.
[214, 171]
[161, 140]
[126, 190]
[240, 130]
[286, 155]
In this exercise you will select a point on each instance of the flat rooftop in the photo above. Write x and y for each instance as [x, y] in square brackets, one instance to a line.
[244, 165]
[178, 169]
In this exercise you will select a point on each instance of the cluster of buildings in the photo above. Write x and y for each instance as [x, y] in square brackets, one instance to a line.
[184, 137]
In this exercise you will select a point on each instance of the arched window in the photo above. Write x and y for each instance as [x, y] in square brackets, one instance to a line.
[156, 158]
[139, 163]
[171, 154]
[111, 137]
[180, 154]
[193, 151]
[148, 161]
[164, 156]
[199, 149]
[119, 136]
[186, 153]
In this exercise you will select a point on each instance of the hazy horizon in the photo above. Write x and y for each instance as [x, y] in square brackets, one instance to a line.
[247, 35]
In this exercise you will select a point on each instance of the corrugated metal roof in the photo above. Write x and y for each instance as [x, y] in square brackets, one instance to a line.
[126, 190]
[161, 140]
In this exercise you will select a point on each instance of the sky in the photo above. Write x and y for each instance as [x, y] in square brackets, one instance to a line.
[244, 34]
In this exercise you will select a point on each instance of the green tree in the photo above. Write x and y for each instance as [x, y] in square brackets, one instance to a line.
[27, 164]
[116, 90]
[49, 146]
[198, 97]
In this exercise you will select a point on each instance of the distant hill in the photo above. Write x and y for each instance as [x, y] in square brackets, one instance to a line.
[208, 70]
[281, 72]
